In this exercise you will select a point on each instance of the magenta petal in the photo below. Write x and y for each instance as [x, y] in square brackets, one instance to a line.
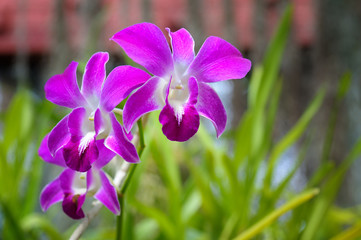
[183, 46]
[63, 89]
[75, 121]
[144, 100]
[45, 154]
[72, 205]
[66, 180]
[146, 45]
[89, 179]
[218, 60]
[94, 75]
[119, 83]
[107, 194]
[181, 127]
[118, 142]
[80, 152]
[214, 111]
[59, 136]
[105, 155]
[51, 194]
[176, 130]
[98, 122]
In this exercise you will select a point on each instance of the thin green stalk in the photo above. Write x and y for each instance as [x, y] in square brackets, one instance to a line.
[123, 189]
[270, 218]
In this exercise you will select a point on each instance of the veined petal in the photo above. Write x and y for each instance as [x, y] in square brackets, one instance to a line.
[218, 60]
[182, 46]
[63, 89]
[210, 106]
[75, 121]
[119, 83]
[146, 45]
[51, 194]
[118, 142]
[80, 152]
[107, 194]
[45, 154]
[146, 99]
[105, 155]
[59, 136]
[72, 205]
[181, 124]
[94, 75]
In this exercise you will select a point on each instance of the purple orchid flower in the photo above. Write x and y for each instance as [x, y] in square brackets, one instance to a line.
[72, 187]
[179, 85]
[92, 124]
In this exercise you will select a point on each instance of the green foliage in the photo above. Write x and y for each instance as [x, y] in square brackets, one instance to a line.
[24, 123]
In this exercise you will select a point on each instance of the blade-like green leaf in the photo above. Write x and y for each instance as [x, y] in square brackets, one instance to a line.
[270, 218]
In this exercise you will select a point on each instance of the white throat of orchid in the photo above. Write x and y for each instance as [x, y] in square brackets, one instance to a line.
[79, 184]
[85, 141]
[89, 127]
[178, 92]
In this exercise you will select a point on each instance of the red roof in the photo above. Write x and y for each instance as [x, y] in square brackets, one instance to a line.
[32, 25]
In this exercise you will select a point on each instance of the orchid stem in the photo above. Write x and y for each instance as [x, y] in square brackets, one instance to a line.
[123, 189]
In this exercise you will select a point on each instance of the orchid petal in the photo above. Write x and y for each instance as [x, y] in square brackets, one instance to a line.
[75, 121]
[182, 46]
[66, 180]
[80, 152]
[98, 122]
[181, 124]
[51, 194]
[45, 154]
[144, 100]
[94, 75]
[105, 155]
[146, 45]
[107, 194]
[218, 60]
[119, 84]
[63, 89]
[215, 111]
[58, 136]
[89, 179]
[72, 205]
[118, 142]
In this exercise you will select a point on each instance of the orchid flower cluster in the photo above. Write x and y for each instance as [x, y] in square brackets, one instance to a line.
[90, 136]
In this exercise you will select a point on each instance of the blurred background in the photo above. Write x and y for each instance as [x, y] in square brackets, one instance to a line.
[39, 38]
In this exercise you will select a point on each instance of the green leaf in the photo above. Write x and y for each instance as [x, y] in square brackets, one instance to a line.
[351, 233]
[292, 136]
[270, 218]
[36, 221]
[328, 193]
[19, 118]
[162, 219]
